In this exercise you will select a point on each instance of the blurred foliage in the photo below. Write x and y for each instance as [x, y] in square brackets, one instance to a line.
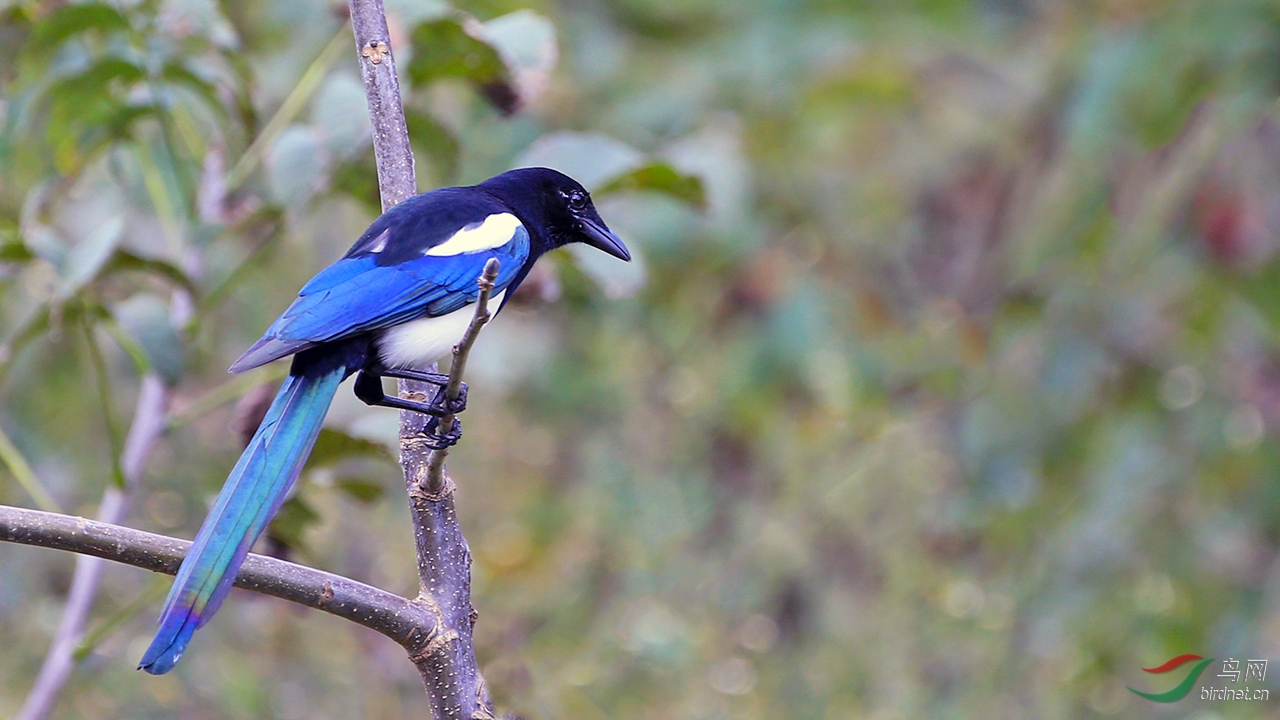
[944, 382]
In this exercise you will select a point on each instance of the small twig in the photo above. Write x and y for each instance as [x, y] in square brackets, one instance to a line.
[103, 384]
[150, 597]
[461, 351]
[225, 393]
[410, 623]
[289, 110]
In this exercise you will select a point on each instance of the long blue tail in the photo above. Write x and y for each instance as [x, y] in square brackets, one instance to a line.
[250, 497]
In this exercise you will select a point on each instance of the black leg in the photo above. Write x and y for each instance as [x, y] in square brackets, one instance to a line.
[428, 377]
[438, 379]
[369, 389]
[440, 442]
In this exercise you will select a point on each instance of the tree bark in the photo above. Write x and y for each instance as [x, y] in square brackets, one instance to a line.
[447, 661]
[407, 622]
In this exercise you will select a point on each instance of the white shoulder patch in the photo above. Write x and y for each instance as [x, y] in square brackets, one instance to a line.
[495, 231]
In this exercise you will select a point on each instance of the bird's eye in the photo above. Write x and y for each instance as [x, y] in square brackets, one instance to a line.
[577, 201]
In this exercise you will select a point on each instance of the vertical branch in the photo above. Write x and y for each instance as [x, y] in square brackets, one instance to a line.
[446, 659]
[148, 424]
[394, 157]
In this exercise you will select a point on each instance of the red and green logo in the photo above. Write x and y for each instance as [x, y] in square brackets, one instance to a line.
[1182, 688]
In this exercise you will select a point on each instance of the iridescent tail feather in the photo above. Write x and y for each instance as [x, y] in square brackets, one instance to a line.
[252, 494]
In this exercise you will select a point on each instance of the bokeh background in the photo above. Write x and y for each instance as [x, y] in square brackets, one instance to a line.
[945, 383]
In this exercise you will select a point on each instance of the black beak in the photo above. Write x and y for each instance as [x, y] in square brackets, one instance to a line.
[601, 238]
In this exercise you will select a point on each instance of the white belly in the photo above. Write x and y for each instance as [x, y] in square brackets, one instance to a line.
[419, 343]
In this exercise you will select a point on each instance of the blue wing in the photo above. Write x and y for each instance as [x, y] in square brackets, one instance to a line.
[364, 292]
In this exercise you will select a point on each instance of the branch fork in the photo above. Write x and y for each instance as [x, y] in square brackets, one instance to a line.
[434, 628]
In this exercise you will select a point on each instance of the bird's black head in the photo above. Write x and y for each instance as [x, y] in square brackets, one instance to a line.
[559, 207]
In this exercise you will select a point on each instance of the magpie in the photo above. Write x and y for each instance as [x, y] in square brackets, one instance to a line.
[397, 301]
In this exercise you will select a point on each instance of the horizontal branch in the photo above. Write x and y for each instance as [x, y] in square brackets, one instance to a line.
[408, 622]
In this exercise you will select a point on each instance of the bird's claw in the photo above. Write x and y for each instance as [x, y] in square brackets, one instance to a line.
[458, 404]
[441, 405]
[433, 439]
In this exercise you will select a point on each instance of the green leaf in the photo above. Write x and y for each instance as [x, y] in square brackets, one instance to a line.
[32, 327]
[444, 49]
[659, 178]
[15, 251]
[334, 446]
[292, 521]
[289, 110]
[440, 146]
[95, 78]
[526, 42]
[145, 317]
[16, 25]
[89, 109]
[123, 261]
[297, 165]
[617, 279]
[89, 256]
[129, 345]
[226, 393]
[41, 321]
[356, 177]
[78, 135]
[176, 74]
[339, 112]
[70, 20]
[361, 489]
[143, 602]
[592, 159]
[259, 231]
[12, 458]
